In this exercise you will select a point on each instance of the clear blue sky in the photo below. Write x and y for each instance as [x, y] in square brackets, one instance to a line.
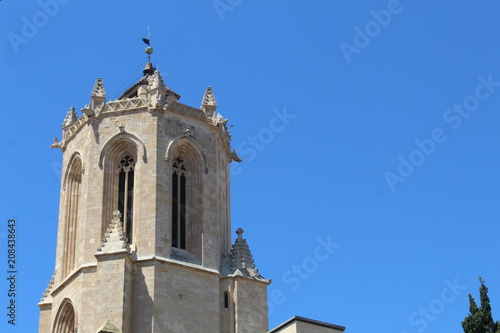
[373, 125]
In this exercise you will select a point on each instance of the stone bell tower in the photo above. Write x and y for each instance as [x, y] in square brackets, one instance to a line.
[144, 233]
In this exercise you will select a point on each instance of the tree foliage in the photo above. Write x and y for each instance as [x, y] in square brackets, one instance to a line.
[479, 319]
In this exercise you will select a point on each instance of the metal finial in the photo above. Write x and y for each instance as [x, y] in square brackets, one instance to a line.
[149, 49]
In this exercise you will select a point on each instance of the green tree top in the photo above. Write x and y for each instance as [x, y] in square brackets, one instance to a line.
[479, 319]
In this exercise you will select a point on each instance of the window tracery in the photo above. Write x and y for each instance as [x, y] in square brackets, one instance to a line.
[179, 204]
[126, 167]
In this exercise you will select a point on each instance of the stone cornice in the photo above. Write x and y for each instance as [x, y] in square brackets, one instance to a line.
[215, 121]
[145, 259]
[177, 263]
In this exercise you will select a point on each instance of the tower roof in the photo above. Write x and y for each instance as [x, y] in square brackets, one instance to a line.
[153, 81]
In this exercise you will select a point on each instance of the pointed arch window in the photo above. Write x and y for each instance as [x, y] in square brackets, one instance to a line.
[179, 204]
[187, 201]
[126, 168]
[72, 186]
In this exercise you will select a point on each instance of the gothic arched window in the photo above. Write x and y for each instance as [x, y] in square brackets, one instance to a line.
[121, 166]
[186, 185]
[179, 204]
[126, 193]
[72, 188]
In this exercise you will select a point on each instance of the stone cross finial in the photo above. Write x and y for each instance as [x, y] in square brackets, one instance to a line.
[240, 232]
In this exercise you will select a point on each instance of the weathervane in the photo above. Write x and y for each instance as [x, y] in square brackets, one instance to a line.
[149, 49]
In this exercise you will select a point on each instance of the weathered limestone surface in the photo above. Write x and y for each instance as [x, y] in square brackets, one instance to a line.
[142, 283]
[250, 305]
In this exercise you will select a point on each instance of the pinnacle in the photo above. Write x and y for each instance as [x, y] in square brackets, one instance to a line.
[242, 263]
[71, 117]
[209, 98]
[156, 81]
[99, 90]
[114, 240]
